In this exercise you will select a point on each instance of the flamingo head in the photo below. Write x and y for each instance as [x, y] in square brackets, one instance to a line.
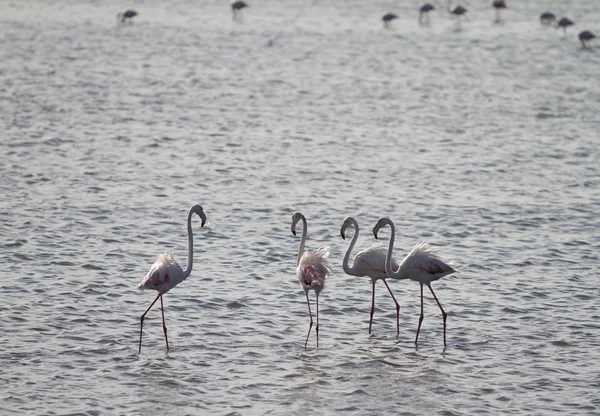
[197, 209]
[381, 222]
[347, 222]
[295, 219]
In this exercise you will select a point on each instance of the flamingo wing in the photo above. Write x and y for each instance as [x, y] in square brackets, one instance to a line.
[424, 264]
[371, 262]
[163, 275]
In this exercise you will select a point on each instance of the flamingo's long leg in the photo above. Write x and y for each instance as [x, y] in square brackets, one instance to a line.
[142, 320]
[397, 309]
[317, 328]
[162, 309]
[311, 320]
[421, 318]
[372, 308]
[444, 314]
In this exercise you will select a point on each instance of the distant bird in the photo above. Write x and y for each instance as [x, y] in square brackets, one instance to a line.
[236, 8]
[127, 15]
[371, 263]
[312, 270]
[458, 11]
[564, 23]
[424, 12]
[586, 36]
[387, 19]
[547, 18]
[421, 265]
[165, 273]
[499, 5]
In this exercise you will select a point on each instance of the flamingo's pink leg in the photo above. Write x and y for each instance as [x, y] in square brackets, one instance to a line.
[397, 310]
[162, 309]
[317, 327]
[311, 320]
[372, 308]
[444, 314]
[421, 318]
[142, 320]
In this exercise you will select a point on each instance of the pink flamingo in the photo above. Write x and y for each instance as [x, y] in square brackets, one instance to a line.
[165, 273]
[421, 265]
[369, 262]
[312, 269]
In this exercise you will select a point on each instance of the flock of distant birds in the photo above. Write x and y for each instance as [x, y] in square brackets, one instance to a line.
[546, 18]
[421, 264]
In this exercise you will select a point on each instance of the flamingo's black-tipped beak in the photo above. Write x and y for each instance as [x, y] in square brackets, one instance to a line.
[343, 236]
[294, 232]
[203, 222]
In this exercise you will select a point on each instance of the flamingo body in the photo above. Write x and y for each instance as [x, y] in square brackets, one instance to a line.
[586, 36]
[165, 273]
[126, 15]
[459, 11]
[547, 18]
[387, 19]
[499, 4]
[422, 265]
[564, 22]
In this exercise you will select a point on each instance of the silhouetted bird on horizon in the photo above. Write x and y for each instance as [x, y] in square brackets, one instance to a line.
[547, 18]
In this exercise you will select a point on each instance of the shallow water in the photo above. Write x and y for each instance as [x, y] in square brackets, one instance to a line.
[481, 138]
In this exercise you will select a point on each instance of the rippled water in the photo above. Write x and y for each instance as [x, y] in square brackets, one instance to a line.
[481, 138]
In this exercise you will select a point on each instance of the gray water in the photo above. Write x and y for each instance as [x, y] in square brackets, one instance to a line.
[482, 139]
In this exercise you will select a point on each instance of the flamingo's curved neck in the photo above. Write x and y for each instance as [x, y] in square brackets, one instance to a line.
[388, 260]
[303, 241]
[345, 264]
[190, 259]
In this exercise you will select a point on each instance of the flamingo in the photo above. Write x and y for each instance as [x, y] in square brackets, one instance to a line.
[564, 23]
[387, 18]
[499, 5]
[236, 8]
[547, 18]
[584, 36]
[369, 262]
[312, 270]
[165, 273]
[424, 11]
[422, 265]
[126, 15]
[457, 11]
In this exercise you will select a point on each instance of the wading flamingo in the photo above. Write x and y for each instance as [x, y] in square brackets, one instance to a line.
[547, 18]
[586, 36]
[127, 15]
[236, 9]
[312, 269]
[165, 273]
[421, 265]
[371, 263]
[424, 11]
[387, 19]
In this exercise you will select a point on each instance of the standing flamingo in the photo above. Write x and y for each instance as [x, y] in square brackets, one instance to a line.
[369, 262]
[127, 15]
[586, 36]
[421, 265]
[387, 19]
[236, 9]
[547, 18]
[312, 269]
[565, 22]
[424, 11]
[165, 273]
[499, 5]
